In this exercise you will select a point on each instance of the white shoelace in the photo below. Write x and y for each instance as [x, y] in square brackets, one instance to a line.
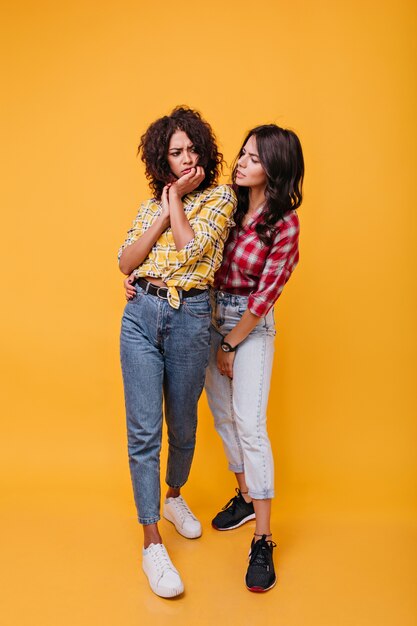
[161, 559]
[182, 508]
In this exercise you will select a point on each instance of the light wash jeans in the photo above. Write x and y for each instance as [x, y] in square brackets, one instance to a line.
[164, 354]
[239, 405]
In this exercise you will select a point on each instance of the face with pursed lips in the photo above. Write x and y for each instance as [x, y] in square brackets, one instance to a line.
[249, 171]
[182, 156]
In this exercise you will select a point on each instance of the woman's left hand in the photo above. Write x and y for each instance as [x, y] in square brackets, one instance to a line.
[225, 362]
[188, 182]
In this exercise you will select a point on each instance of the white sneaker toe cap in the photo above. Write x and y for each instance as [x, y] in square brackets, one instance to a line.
[191, 529]
[168, 586]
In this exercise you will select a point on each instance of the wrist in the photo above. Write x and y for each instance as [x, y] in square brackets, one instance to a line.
[174, 192]
[226, 346]
[163, 225]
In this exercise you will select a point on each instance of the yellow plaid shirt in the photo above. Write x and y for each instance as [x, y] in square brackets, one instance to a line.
[210, 215]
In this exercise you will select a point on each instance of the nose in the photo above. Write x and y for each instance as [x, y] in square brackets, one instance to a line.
[187, 157]
[242, 161]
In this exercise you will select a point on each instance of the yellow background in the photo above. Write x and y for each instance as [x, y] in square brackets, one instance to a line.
[83, 81]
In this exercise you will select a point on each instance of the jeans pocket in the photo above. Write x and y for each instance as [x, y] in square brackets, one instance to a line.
[198, 306]
[269, 323]
[138, 295]
[242, 304]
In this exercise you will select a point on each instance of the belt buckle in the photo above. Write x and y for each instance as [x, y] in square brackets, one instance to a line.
[162, 297]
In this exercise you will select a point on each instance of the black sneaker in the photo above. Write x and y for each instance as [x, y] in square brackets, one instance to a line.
[261, 572]
[235, 513]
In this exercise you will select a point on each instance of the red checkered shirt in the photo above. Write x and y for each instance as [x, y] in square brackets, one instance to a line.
[249, 264]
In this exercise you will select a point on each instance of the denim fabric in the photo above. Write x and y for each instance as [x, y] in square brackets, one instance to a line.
[164, 354]
[239, 405]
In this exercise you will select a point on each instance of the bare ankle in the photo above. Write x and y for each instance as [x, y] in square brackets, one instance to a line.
[246, 496]
[258, 536]
[151, 535]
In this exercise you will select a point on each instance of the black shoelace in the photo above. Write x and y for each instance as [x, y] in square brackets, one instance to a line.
[260, 551]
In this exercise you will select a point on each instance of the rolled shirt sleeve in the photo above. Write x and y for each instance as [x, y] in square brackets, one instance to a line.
[133, 233]
[279, 265]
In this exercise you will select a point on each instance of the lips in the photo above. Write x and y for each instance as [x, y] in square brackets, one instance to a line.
[239, 174]
[186, 171]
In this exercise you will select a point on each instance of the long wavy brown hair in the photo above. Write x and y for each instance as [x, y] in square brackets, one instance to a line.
[281, 157]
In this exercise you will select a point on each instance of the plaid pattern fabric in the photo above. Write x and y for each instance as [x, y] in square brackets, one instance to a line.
[249, 263]
[210, 215]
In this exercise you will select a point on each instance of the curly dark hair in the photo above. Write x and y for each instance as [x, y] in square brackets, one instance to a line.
[282, 159]
[154, 144]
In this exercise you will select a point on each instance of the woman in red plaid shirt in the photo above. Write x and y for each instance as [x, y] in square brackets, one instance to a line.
[259, 257]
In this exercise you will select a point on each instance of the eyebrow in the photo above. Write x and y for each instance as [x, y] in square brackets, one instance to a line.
[180, 148]
[252, 153]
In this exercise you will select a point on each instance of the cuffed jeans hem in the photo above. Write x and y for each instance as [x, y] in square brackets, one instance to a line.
[175, 486]
[238, 469]
[145, 521]
[266, 495]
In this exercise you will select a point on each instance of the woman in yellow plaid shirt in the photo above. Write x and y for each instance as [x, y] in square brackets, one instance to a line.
[173, 248]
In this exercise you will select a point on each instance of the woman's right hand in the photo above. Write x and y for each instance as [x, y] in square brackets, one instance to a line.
[130, 291]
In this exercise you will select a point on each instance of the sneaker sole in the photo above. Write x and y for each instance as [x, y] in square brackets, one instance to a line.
[165, 592]
[243, 521]
[261, 589]
[181, 531]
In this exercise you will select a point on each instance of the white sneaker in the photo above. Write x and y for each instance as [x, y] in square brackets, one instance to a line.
[176, 510]
[163, 578]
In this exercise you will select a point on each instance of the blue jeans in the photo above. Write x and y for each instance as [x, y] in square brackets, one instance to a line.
[164, 354]
[239, 405]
